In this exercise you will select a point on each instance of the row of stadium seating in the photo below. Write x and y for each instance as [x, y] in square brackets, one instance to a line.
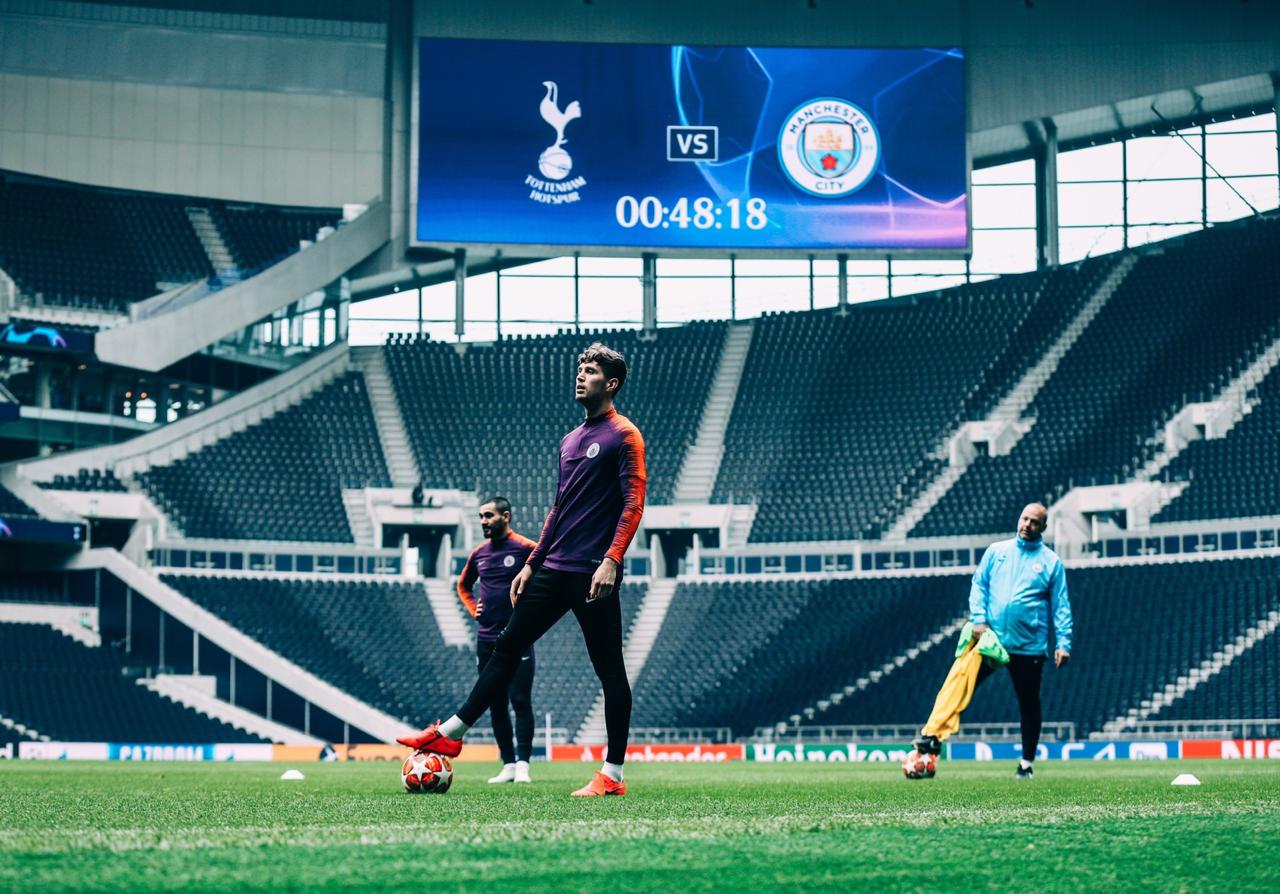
[283, 478]
[70, 692]
[489, 418]
[49, 588]
[84, 246]
[11, 505]
[1165, 338]
[87, 480]
[380, 643]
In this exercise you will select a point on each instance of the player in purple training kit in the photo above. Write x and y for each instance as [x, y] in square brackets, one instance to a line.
[576, 566]
[485, 590]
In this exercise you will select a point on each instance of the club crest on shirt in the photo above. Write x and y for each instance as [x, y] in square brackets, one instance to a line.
[1038, 567]
[508, 561]
[593, 451]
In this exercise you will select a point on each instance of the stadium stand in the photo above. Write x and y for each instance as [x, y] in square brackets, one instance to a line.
[87, 480]
[1232, 476]
[1096, 418]
[281, 479]
[1245, 689]
[70, 692]
[1139, 627]
[49, 588]
[82, 246]
[489, 418]
[850, 408]
[379, 642]
[11, 505]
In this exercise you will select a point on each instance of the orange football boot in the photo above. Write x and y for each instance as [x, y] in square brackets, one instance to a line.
[601, 784]
[430, 740]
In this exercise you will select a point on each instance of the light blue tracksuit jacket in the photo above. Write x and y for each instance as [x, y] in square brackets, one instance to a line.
[1020, 589]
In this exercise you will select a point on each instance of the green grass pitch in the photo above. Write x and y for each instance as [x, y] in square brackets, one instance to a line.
[738, 827]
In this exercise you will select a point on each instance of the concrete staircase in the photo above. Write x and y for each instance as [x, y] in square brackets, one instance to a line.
[1206, 670]
[215, 247]
[386, 415]
[1015, 402]
[199, 694]
[450, 616]
[701, 465]
[353, 501]
[635, 651]
[741, 521]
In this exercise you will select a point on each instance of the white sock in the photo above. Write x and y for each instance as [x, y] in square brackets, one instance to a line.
[520, 765]
[613, 771]
[1024, 764]
[454, 728]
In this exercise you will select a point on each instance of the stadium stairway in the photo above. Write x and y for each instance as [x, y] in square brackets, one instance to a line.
[697, 476]
[639, 642]
[215, 247]
[455, 626]
[1008, 411]
[386, 414]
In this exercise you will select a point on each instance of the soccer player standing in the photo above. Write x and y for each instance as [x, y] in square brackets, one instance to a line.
[484, 588]
[576, 566]
[1018, 592]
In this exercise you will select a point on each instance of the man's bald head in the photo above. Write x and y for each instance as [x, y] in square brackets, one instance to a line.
[1032, 522]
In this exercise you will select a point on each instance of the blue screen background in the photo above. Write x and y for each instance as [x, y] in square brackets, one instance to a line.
[481, 133]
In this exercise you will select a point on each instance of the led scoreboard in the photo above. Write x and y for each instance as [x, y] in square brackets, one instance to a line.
[618, 147]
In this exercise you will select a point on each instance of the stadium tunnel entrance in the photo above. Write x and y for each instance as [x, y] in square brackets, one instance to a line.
[678, 548]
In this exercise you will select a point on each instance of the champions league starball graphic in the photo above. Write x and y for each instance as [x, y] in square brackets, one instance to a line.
[717, 148]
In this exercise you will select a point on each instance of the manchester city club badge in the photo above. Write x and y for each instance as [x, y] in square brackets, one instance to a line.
[829, 147]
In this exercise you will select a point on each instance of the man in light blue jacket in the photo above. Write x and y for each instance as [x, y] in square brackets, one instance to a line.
[1019, 592]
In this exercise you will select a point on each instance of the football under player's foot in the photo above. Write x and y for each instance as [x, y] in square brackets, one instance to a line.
[433, 741]
[506, 774]
[601, 784]
[927, 744]
[522, 772]
[1024, 771]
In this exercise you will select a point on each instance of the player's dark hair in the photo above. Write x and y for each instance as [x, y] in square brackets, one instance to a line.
[612, 364]
[502, 504]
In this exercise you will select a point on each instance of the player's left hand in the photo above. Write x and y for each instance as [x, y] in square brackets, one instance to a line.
[1060, 658]
[604, 581]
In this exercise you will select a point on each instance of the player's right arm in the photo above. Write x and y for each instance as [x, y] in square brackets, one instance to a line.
[980, 592]
[466, 581]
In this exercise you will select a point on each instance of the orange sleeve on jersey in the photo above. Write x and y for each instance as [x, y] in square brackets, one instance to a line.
[633, 479]
[466, 581]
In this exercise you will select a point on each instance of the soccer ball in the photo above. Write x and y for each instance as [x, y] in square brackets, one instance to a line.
[919, 766]
[424, 772]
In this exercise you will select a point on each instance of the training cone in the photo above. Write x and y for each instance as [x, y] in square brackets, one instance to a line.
[1185, 779]
[292, 774]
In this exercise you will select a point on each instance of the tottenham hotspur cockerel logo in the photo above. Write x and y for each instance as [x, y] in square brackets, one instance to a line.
[554, 187]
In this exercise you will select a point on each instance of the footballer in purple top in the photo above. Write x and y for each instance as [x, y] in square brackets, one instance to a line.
[576, 566]
[485, 590]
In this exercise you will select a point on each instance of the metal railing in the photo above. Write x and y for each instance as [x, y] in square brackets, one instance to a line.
[1064, 731]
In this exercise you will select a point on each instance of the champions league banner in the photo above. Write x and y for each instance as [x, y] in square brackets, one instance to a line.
[680, 147]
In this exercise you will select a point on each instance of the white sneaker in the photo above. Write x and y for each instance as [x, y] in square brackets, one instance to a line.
[522, 771]
[507, 774]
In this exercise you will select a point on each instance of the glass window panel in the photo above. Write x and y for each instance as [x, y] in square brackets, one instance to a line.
[374, 332]
[1242, 153]
[1090, 203]
[1174, 201]
[480, 331]
[693, 267]
[610, 267]
[438, 302]
[1014, 172]
[537, 299]
[826, 291]
[758, 295]
[1163, 157]
[1255, 122]
[1075, 243]
[399, 305]
[694, 298]
[911, 285]
[1261, 193]
[863, 268]
[481, 297]
[549, 267]
[610, 300]
[903, 268]
[510, 330]
[1104, 162]
[1004, 206]
[1003, 251]
[781, 267]
[1143, 235]
[828, 268]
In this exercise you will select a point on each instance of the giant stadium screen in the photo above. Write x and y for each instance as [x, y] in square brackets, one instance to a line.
[710, 150]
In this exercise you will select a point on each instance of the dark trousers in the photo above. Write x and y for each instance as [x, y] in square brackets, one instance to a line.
[548, 596]
[520, 695]
[1025, 672]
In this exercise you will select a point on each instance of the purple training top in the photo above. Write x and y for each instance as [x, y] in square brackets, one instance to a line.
[494, 566]
[600, 498]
